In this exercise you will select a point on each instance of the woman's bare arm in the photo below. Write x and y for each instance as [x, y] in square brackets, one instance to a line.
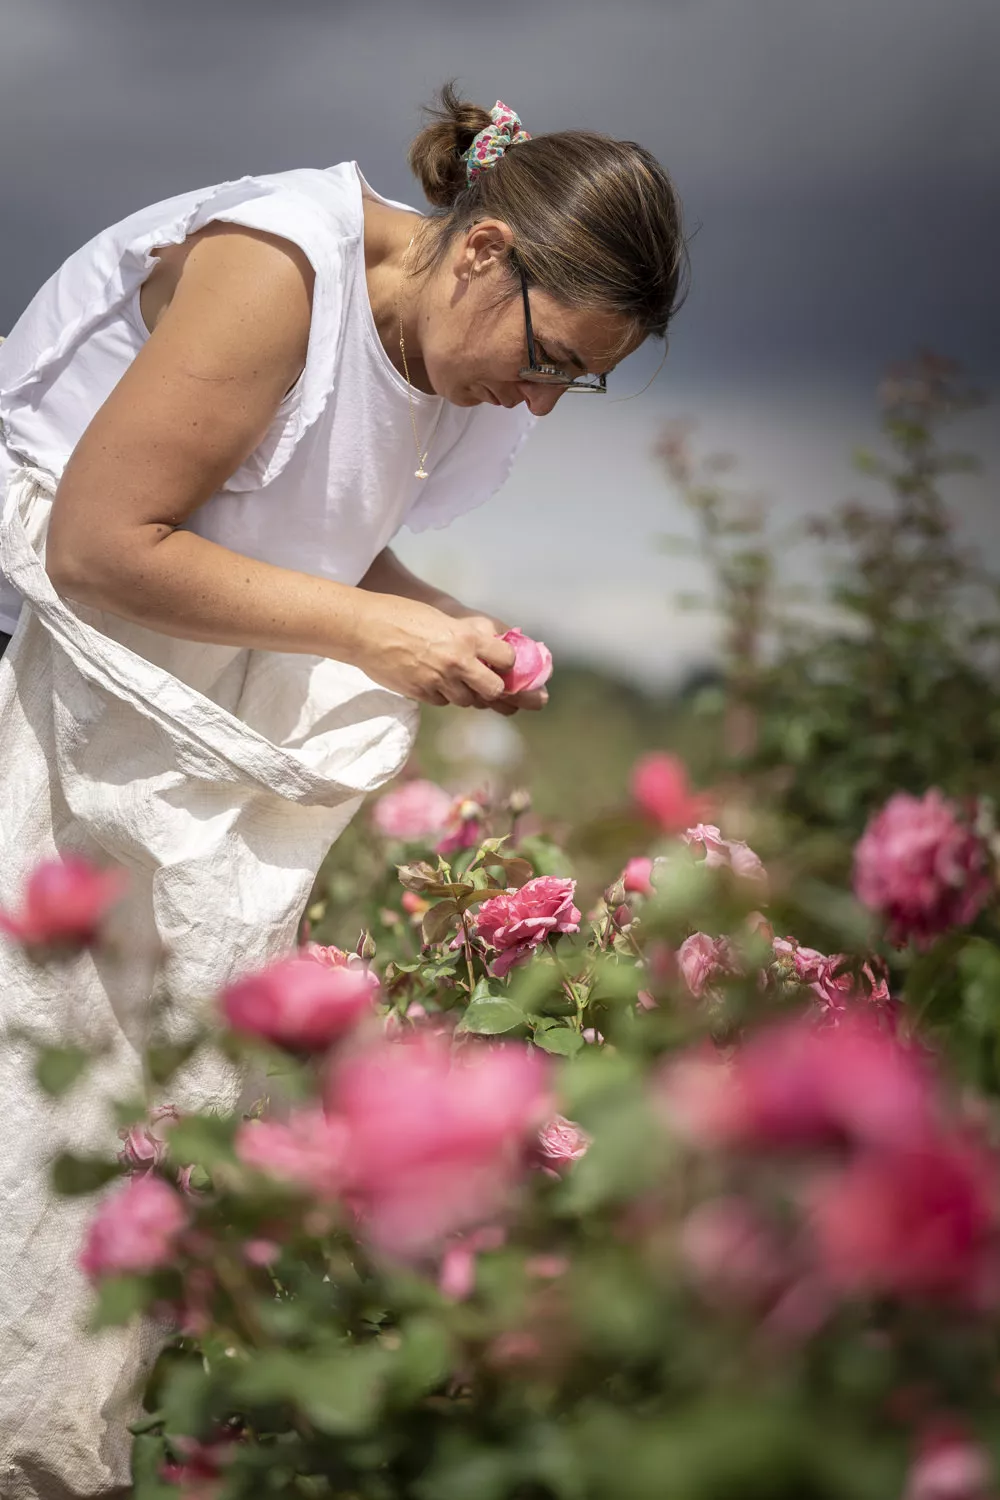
[195, 402]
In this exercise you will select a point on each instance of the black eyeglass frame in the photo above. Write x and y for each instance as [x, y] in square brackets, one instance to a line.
[551, 374]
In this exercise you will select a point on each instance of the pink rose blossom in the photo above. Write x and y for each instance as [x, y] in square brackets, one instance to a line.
[702, 959]
[299, 1003]
[950, 1465]
[831, 980]
[731, 1253]
[435, 1142]
[308, 1150]
[532, 663]
[562, 1142]
[637, 876]
[261, 1252]
[464, 827]
[143, 1149]
[335, 958]
[730, 854]
[457, 1275]
[797, 1085]
[65, 903]
[921, 868]
[515, 923]
[412, 812]
[915, 1222]
[661, 790]
[133, 1230]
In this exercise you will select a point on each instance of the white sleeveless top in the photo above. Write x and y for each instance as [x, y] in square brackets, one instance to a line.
[333, 480]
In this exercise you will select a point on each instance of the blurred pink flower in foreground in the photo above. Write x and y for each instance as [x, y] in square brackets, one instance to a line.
[798, 1085]
[561, 1142]
[298, 1002]
[308, 1150]
[950, 1465]
[516, 922]
[661, 790]
[637, 876]
[532, 663]
[917, 1221]
[65, 903]
[702, 959]
[720, 853]
[411, 812]
[731, 1253]
[921, 868]
[134, 1229]
[457, 1275]
[434, 1142]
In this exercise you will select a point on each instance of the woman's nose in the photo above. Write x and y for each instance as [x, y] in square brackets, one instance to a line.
[540, 399]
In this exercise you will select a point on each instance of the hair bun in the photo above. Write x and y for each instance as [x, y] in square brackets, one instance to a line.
[435, 155]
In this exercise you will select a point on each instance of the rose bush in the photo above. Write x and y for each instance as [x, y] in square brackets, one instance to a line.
[550, 1160]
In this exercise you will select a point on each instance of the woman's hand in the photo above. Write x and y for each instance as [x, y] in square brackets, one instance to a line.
[510, 703]
[419, 651]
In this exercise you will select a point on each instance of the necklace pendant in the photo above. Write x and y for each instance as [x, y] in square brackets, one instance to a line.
[420, 473]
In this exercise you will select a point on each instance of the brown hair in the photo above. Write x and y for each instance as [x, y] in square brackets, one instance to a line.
[596, 221]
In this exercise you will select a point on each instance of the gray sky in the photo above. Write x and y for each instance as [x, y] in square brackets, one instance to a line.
[837, 160]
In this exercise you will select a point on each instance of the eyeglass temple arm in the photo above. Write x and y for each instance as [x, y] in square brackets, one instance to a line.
[532, 361]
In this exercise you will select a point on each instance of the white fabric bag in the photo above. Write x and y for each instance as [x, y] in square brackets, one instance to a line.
[219, 778]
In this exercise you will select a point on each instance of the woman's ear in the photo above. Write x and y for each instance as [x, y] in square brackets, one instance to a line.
[484, 246]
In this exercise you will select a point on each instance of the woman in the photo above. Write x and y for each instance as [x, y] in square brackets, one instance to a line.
[215, 417]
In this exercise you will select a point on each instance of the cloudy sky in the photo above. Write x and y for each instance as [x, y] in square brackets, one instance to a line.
[838, 164]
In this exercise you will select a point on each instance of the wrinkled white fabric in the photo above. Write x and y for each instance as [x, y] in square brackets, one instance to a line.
[219, 778]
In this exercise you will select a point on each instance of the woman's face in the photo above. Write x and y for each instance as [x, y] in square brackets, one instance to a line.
[473, 349]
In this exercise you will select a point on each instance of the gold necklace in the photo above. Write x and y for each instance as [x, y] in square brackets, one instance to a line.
[420, 472]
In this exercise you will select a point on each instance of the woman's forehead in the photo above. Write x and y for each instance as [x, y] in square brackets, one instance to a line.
[597, 336]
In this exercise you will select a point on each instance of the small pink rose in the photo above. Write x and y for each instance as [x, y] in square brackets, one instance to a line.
[636, 877]
[562, 1141]
[133, 1230]
[660, 788]
[415, 811]
[515, 923]
[532, 663]
[703, 959]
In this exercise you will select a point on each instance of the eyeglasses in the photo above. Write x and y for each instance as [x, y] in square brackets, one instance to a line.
[545, 374]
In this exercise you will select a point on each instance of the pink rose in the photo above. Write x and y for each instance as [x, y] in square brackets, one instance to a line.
[412, 812]
[702, 959]
[637, 876]
[921, 868]
[731, 1253]
[335, 958]
[830, 978]
[133, 1230]
[950, 1465]
[918, 1221]
[516, 922]
[797, 1085]
[307, 1149]
[65, 903]
[299, 1003]
[457, 1276]
[434, 1142]
[464, 826]
[562, 1141]
[532, 663]
[720, 853]
[661, 790]
[143, 1149]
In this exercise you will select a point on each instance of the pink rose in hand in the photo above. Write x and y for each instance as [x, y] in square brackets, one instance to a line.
[65, 902]
[532, 663]
[133, 1230]
[515, 923]
[412, 812]
[299, 1003]
[922, 868]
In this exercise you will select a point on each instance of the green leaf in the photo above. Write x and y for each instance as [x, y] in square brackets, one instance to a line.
[439, 921]
[164, 1059]
[58, 1068]
[76, 1175]
[338, 1391]
[204, 1140]
[423, 1360]
[491, 1015]
[119, 1300]
[560, 1040]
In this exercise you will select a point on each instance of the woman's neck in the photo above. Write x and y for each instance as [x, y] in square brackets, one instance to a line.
[391, 288]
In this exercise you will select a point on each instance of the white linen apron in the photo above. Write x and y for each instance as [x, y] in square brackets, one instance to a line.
[218, 777]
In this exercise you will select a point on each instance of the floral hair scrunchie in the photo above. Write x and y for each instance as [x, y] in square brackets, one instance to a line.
[491, 143]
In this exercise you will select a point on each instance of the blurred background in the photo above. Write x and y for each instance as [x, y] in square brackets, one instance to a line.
[840, 177]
